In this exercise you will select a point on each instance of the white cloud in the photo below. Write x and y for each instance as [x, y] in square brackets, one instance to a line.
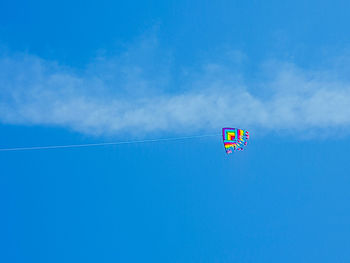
[132, 92]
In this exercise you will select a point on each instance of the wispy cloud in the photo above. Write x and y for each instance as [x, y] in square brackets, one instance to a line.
[140, 90]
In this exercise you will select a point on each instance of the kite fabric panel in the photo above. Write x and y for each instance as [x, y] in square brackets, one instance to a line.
[234, 139]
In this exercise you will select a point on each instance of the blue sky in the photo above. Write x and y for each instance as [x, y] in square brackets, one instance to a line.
[87, 72]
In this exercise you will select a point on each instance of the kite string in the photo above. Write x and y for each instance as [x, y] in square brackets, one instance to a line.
[104, 143]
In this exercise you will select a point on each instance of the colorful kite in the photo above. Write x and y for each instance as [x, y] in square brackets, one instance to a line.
[234, 139]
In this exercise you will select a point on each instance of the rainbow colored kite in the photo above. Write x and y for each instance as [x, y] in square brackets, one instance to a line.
[234, 139]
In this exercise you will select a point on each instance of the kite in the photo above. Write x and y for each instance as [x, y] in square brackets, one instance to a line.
[234, 139]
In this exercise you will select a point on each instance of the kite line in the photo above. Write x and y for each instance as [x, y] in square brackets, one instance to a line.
[104, 143]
